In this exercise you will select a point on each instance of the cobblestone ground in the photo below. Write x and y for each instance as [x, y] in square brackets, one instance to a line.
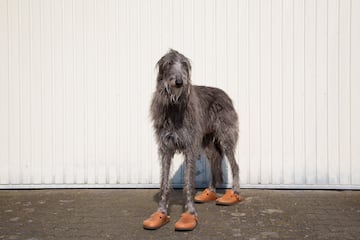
[118, 214]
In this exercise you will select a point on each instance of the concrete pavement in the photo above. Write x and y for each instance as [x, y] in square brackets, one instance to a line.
[119, 213]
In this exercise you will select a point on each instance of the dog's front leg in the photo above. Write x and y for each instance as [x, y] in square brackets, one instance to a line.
[165, 181]
[188, 220]
[189, 187]
[160, 217]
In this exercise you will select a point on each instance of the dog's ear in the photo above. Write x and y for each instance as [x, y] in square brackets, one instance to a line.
[162, 65]
[187, 65]
[160, 68]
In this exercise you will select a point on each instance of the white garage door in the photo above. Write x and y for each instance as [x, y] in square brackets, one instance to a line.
[76, 79]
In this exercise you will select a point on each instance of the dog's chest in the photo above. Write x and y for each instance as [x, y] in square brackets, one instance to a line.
[174, 134]
[174, 140]
[174, 117]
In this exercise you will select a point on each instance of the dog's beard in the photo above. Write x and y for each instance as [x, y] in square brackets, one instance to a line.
[174, 93]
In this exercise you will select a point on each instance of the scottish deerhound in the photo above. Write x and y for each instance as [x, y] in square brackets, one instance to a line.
[191, 120]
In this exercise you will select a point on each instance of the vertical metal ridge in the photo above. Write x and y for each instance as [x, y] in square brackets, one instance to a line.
[293, 88]
[63, 90]
[30, 93]
[73, 92]
[129, 90]
[305, 148]
[350, 102]
[248, 86]
[8, 92]
[118, 100]
[138, 19]
[316, 90]
[106, 91]
[42, 97]
[52, 124]
[338, 88]
[327, 91]
[20, 173]
[96, 94]
[271, 92]
[85, 103]
[260, 115]
[282, 91]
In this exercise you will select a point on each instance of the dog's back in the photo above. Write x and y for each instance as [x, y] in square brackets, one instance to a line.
[218, 111]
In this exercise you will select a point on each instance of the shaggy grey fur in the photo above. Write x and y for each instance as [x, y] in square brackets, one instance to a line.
[191, 120]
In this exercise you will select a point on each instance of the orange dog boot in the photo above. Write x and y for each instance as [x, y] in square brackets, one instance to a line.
[229, 198]
[205, 196]
[187, 222]
[156, 220]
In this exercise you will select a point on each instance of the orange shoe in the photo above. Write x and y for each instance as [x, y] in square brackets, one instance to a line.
[156, 220]
[187, 222]
[229, 198]
[205, 196]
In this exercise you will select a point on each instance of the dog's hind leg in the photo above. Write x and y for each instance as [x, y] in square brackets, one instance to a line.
[215, 156]
[232, 196]
[228, 144]
[227, 141]
[230, 153]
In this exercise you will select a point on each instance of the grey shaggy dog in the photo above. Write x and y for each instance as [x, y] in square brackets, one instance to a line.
[191, 120]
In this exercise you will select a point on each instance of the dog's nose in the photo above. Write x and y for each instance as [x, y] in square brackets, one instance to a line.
[179, 82]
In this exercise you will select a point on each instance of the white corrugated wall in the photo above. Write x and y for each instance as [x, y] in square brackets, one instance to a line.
[76, 79]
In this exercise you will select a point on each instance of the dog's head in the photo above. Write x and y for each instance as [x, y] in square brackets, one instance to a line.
[174, 75]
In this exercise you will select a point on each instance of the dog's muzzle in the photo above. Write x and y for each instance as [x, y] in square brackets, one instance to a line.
[178, 82]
